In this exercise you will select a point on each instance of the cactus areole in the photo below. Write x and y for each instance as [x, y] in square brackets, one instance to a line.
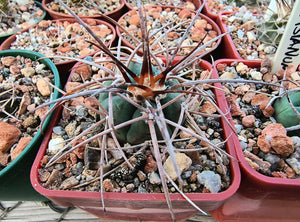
[146, 89]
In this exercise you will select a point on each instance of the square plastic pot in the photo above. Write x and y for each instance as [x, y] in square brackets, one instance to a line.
[134, 206]
[166, 8]
[196, 3]
[227, 45]
[63, 67]
[115, 14]
[15, 178]
[208, 12]
[259, 197]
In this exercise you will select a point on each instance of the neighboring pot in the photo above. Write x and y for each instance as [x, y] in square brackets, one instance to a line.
[62, 66]
[229, 49]
[190, 4]
[207, 10]
[213, 8]
[134, 206]
[130, 21]
[15, 179]
[244, 40]
[5, 36]
[259, 197]
[114, 14]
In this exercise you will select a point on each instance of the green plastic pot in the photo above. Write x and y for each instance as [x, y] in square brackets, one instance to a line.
[284, 113]
[5, 36]
[15, 178]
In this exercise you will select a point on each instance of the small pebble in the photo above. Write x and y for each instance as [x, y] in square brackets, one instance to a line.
[210, 180]
[55, 145]
[154, 178]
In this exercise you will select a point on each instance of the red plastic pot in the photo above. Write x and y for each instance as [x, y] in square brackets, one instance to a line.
[196, 3]
[208, 12]
[65, 66]
[215, 27]
[229, 49]
[135, 206]
[213, 14]
[115, 14]
[259, 197]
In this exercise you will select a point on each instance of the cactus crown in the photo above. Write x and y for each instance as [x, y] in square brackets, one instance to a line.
[145, 85]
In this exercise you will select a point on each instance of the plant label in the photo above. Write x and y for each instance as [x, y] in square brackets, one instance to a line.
[288, 51]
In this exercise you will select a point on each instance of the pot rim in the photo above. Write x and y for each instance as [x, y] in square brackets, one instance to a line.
[260, 178]
[56, 94]
[7, 43]
[203, 16]
[202, 197]
[196, 3]
[56, 15]
[37, 21]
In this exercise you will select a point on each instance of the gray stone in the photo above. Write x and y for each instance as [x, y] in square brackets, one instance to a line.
[154, 178]
[295, 164]
[238, 128]
[58, 130]
[296, 141]
[210, 180]
[271, 158]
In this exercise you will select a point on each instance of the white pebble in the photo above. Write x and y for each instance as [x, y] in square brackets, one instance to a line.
[240, 34]
[55, 145]
[241, 67]
[39, 68]
[256, 75]
[269, 49]
[251, 36]
[228, 75]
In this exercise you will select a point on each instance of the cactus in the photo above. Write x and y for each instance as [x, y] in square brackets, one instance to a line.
[287, 104]
[123, 111]
[270, 31]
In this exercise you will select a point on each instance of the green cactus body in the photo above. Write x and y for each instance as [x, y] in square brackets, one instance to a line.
[271, 30]
[283, 111]
[123, 111]
[3, 6]
[240, 3]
